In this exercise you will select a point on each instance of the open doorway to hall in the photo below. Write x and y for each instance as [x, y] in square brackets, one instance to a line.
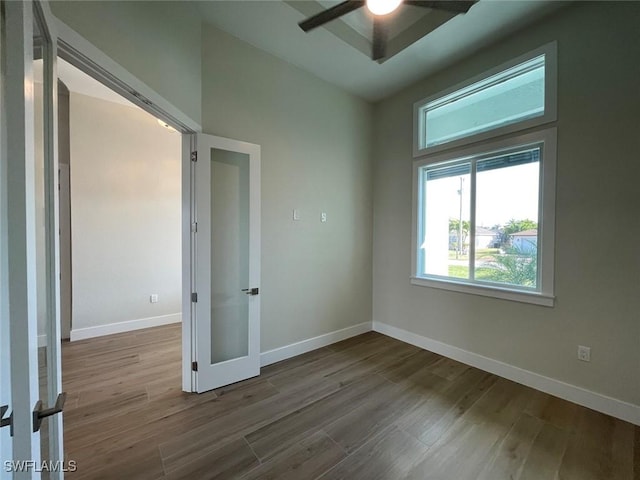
[123, 212]
[120, 258]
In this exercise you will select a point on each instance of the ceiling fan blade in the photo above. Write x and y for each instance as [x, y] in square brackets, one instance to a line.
[454, 6]
[379, 49]
[330, 14]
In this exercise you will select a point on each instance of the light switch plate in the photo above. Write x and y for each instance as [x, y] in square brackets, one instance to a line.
[584, 353]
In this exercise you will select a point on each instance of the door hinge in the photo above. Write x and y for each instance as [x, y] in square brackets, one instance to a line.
[194, 227]
[194, 297]
[194, 156]
[194, 366]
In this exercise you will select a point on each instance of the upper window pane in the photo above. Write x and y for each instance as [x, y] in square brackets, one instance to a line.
[511, 96]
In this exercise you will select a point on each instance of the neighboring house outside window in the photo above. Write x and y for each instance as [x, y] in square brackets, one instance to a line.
[487, 238]
[525, 241]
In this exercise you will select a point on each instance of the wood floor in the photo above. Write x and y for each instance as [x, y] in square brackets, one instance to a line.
[368, 408]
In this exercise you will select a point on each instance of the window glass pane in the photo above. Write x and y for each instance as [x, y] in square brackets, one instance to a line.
[511, 96]
[229, 255]
[444, 242]
[507, 196]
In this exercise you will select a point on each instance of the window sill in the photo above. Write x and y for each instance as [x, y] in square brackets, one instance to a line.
[487, 291]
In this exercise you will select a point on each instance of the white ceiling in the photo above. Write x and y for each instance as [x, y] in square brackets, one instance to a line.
[272, 26]
[79, 82]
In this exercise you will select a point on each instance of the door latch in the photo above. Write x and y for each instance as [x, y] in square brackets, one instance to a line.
[251, 291]
[6, 422]
[40, 413]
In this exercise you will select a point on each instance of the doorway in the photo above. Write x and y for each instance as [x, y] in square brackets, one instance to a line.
[124, 258]
[22, 168]
[120, 232]
[87, 58]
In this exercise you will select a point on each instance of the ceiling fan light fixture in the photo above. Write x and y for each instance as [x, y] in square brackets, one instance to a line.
[382, 7]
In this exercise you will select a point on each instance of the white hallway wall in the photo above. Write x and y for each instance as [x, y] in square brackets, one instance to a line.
[125, 218]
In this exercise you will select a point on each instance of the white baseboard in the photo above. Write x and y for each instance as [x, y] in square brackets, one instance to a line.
[120, 327]
[596, 401]
[298, 348]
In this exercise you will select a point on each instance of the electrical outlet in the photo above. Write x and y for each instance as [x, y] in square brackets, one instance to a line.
[323, 217]
[584, 353]
[153, 298]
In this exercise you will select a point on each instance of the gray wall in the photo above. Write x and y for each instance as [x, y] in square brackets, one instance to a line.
[316, 144]
[597, 229]
[125, 214]
[158, 42]
[316, 147]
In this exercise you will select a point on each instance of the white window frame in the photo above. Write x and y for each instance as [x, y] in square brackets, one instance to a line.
[544, 292]
[549, 50]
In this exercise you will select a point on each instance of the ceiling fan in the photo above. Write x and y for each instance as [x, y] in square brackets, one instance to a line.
[381, 8]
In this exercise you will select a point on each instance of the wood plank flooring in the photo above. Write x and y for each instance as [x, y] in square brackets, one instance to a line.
[368, 408]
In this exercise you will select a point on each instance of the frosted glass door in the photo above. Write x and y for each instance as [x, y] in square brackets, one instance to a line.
[226, 242]
[229, 255]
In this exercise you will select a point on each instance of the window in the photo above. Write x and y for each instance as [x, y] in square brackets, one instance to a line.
[517, 95]
[484, 214]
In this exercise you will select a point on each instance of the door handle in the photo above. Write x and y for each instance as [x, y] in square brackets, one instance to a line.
[6, 422]
[251, 291]
[39, 413]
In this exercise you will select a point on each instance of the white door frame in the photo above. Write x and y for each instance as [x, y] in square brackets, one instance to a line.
[21, 234]
[52, 242]
[85, 56]
[188, 261]
[21, 218]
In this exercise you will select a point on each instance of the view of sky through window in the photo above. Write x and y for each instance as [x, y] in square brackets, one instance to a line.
[506, 219]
